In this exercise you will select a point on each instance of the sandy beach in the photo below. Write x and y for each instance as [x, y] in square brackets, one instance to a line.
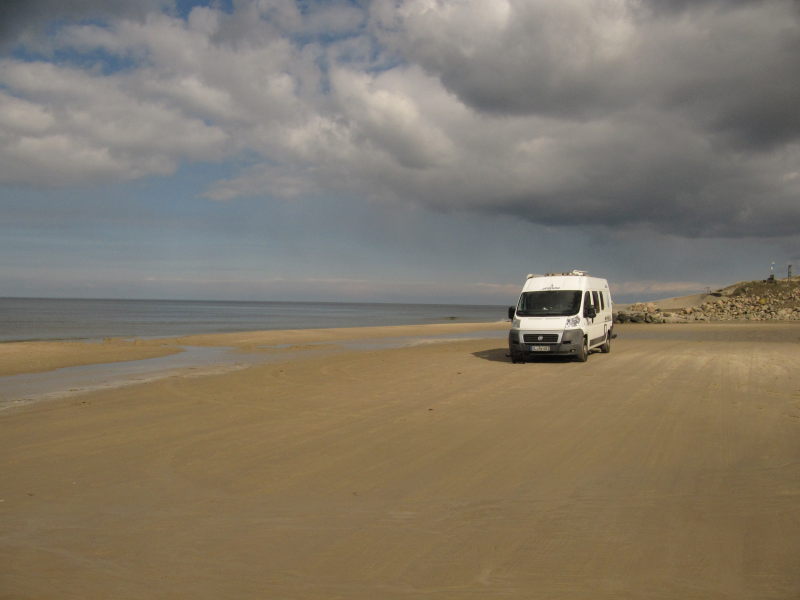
[669, 468]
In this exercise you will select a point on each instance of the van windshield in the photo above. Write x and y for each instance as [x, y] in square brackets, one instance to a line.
[549, 304]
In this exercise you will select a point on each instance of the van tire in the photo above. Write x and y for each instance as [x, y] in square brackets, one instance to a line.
[583, 352]
[606, 347]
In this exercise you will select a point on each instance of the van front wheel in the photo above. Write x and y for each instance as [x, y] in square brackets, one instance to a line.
[583, 353]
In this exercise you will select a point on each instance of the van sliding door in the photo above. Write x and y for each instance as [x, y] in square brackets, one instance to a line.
[596, 328]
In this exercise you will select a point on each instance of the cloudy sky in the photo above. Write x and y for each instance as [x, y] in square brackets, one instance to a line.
[395, 150]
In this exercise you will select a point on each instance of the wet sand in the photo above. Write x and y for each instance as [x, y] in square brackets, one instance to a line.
[39, 356]
[669, 468]
[35, 357]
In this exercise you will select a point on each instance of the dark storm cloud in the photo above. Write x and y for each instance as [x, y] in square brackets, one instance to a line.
[736, 74]
[672, 7]
[699, 102]
[731, 66]
[531, 58]
[643, 174]
[19, 18]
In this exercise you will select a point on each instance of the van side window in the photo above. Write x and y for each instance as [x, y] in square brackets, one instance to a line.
[587, 300]
[596, 301]
[602, 300]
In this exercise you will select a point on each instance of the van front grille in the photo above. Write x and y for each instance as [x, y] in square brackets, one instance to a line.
[540, 338]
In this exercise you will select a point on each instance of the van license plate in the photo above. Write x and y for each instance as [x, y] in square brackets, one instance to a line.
[540, 348]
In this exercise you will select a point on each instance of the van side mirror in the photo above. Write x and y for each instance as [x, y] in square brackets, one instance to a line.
[590, 312]
[511, 311]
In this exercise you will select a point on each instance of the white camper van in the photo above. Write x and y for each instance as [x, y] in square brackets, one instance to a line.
[566, 314]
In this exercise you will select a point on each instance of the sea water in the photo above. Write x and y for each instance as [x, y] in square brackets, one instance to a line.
[63, 318]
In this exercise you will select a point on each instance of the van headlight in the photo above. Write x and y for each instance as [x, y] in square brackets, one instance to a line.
[573, 321]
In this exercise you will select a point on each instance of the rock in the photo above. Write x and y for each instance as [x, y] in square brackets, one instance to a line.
[753, 301]
[673, 318]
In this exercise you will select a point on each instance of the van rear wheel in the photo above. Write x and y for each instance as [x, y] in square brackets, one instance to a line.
[583, 352]
[606, 347]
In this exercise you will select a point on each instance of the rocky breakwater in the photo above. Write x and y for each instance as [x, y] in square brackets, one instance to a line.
[750, 301]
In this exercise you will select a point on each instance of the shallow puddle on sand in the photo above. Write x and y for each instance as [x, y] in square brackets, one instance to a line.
[29, 387]
[25, 388]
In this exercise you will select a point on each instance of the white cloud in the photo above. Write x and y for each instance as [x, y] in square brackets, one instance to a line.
[24, 118]
[389, 119]
[62, 158]
[82, 127]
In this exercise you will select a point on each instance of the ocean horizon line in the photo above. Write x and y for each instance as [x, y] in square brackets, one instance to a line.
[217, 300]
[29, 318]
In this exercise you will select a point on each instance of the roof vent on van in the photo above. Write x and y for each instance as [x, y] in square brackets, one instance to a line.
[573, 272]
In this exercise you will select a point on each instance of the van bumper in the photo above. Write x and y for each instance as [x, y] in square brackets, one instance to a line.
[569, 345]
